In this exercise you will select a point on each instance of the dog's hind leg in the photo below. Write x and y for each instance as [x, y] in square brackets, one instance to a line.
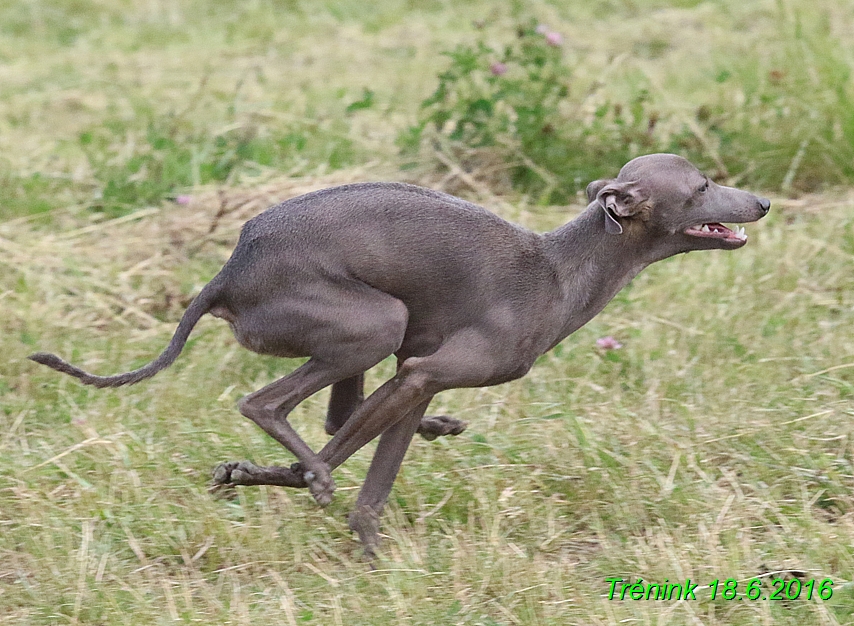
[269, 408]
[345, 398]
[432, 426]
[234, 473]
[347, 395]
[355, 328]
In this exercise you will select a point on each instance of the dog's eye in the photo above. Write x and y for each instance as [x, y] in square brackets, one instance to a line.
[704, 187]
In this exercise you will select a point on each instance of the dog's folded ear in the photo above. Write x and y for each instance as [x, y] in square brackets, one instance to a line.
[621, 198]
[618, 199]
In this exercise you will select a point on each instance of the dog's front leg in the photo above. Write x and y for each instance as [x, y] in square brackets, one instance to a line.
[365, 518]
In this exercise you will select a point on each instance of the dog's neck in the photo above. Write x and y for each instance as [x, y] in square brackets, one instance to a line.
[592, 265]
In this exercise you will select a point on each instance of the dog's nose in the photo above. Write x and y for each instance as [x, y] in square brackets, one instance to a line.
[765, 205]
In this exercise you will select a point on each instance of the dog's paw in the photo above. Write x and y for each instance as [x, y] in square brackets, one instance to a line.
[237, 473]
[222, 483]
[222, 473]
[365, 521]
[245, 473]
[320, 484]
[433, 426]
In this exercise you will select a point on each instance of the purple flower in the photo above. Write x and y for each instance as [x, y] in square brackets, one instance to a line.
[608, 343]
[554, 39]
[183, 199]
[498, 68]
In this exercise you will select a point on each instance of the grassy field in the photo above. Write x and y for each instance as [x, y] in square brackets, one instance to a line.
[717, 443]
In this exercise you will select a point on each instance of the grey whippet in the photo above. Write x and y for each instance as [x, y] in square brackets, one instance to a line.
[350, 275]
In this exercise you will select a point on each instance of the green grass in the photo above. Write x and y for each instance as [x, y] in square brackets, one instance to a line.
[715, 444]
[778, 116]
[117, 105]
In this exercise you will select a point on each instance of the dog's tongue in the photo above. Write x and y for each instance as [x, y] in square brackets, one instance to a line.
[714, 229]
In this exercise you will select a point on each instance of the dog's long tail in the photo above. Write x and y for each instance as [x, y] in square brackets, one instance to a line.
[199, 306]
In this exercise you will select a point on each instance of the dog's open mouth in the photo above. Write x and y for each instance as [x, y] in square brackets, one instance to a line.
[714, 230]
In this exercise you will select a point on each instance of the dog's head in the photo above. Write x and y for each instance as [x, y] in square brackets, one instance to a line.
[665, 200]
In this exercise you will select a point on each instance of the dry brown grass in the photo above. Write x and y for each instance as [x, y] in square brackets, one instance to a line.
[704, 449]
[716, 444]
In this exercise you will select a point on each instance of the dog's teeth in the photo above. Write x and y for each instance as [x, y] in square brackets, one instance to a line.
[705, 228]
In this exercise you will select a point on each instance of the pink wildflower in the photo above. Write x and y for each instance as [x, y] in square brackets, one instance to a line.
[183, 199]
[498, 68]
[554, 39]
[608, 343]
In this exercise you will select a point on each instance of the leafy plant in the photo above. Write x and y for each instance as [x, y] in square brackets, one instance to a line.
[516, 101]
[793, 131]
[484, 95]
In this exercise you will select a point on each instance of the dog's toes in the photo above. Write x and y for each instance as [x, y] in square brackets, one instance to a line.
[320, 484]
[247, 473]
[451, 425]
[222, 478]
[433, 426]
[244, 474]
[222, 473]
[236, 473]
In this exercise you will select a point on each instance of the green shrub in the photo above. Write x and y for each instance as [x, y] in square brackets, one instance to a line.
[794, 130]
[516, 102]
